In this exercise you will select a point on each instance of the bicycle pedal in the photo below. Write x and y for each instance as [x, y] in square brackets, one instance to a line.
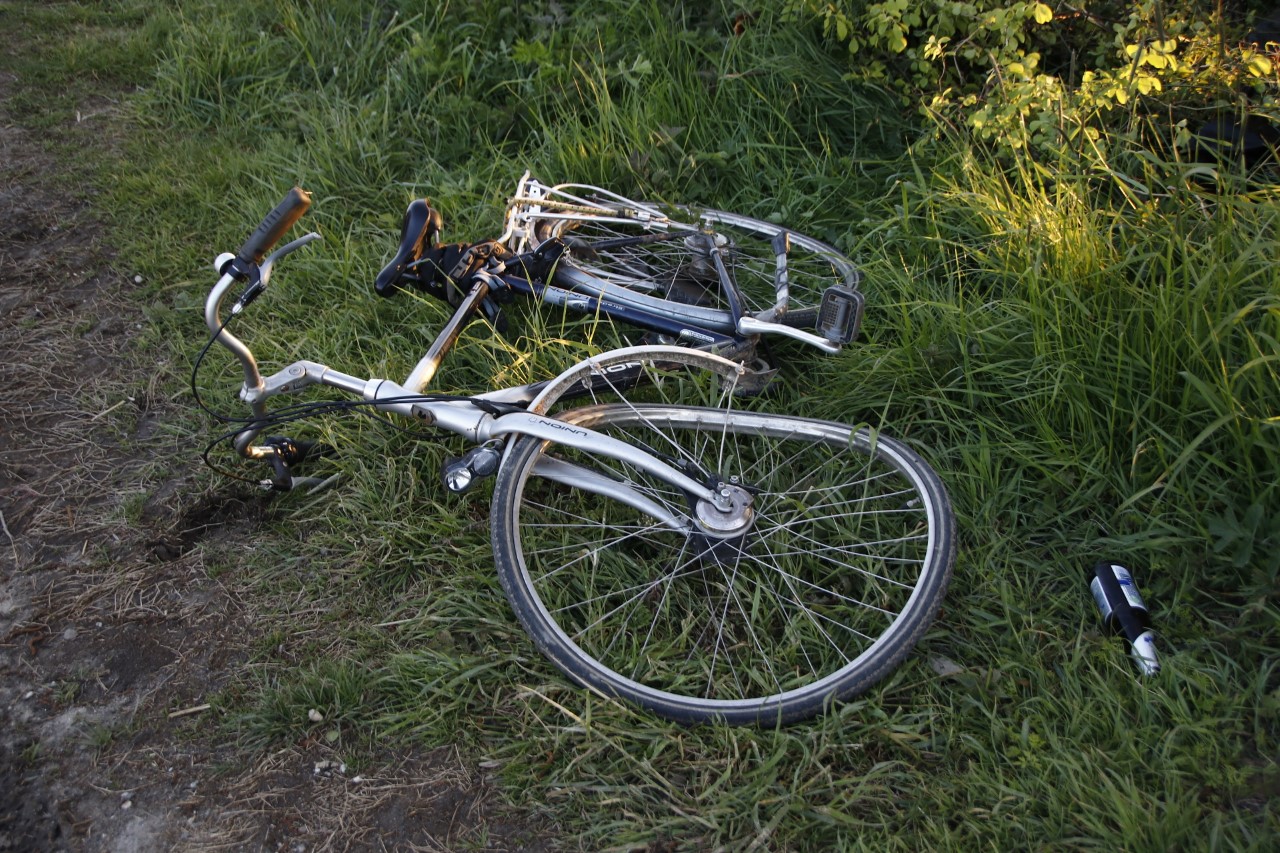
[840, 314]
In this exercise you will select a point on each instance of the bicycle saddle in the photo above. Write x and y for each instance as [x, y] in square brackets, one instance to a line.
[419, 229]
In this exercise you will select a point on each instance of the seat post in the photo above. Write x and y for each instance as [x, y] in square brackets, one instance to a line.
[426, 368]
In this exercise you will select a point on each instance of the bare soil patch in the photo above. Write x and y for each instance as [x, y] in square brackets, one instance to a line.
[113, 633]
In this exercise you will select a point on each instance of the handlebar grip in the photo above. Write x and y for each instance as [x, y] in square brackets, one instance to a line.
[273, 227]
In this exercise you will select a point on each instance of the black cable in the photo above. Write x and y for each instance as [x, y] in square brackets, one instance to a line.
[294, 414]
[195, 369]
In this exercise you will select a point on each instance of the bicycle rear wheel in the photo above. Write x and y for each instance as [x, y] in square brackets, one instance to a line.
[666, 256]
[830, 575]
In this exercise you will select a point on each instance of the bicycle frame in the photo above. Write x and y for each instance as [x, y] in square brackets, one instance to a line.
[716, 539]
[462, 417]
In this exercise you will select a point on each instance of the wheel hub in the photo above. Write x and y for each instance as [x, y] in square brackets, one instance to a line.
[729, 516]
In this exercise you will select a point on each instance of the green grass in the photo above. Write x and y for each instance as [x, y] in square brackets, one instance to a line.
[1093, 370]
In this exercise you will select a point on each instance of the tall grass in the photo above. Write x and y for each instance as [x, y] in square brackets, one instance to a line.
[1092, 368]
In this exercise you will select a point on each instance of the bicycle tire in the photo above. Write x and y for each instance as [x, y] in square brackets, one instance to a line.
[622, 258]
[806, 607]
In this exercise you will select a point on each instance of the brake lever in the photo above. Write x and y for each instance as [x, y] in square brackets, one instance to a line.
[262, 275]
[264, 269]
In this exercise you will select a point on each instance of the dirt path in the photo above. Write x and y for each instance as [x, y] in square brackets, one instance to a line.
[113, 634]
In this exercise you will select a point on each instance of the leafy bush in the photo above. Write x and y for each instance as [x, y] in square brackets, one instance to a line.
[1042, 74]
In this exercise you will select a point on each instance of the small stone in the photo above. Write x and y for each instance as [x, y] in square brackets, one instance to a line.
[326, 768]
[137, 279]
[945, 667]
[28, 694]
[127, 804]
[70, 633]
[315, 716]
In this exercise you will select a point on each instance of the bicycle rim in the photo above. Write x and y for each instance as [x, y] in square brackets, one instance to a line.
[843, 565]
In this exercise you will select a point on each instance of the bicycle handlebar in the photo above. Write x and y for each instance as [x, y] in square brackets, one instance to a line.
[274, 225]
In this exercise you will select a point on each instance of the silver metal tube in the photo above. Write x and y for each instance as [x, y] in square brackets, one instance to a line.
[578, 477]
[572, 435]
[426, 368]
[213, 319]
[456, 416]
[334, 378]
[752, 326]
[253, 383]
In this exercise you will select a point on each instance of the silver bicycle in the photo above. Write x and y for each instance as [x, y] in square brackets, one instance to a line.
[661, 538]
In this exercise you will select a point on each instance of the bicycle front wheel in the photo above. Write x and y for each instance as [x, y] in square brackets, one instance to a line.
[837, 563]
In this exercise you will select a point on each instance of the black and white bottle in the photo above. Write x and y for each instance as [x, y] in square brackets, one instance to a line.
[1124, 612]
